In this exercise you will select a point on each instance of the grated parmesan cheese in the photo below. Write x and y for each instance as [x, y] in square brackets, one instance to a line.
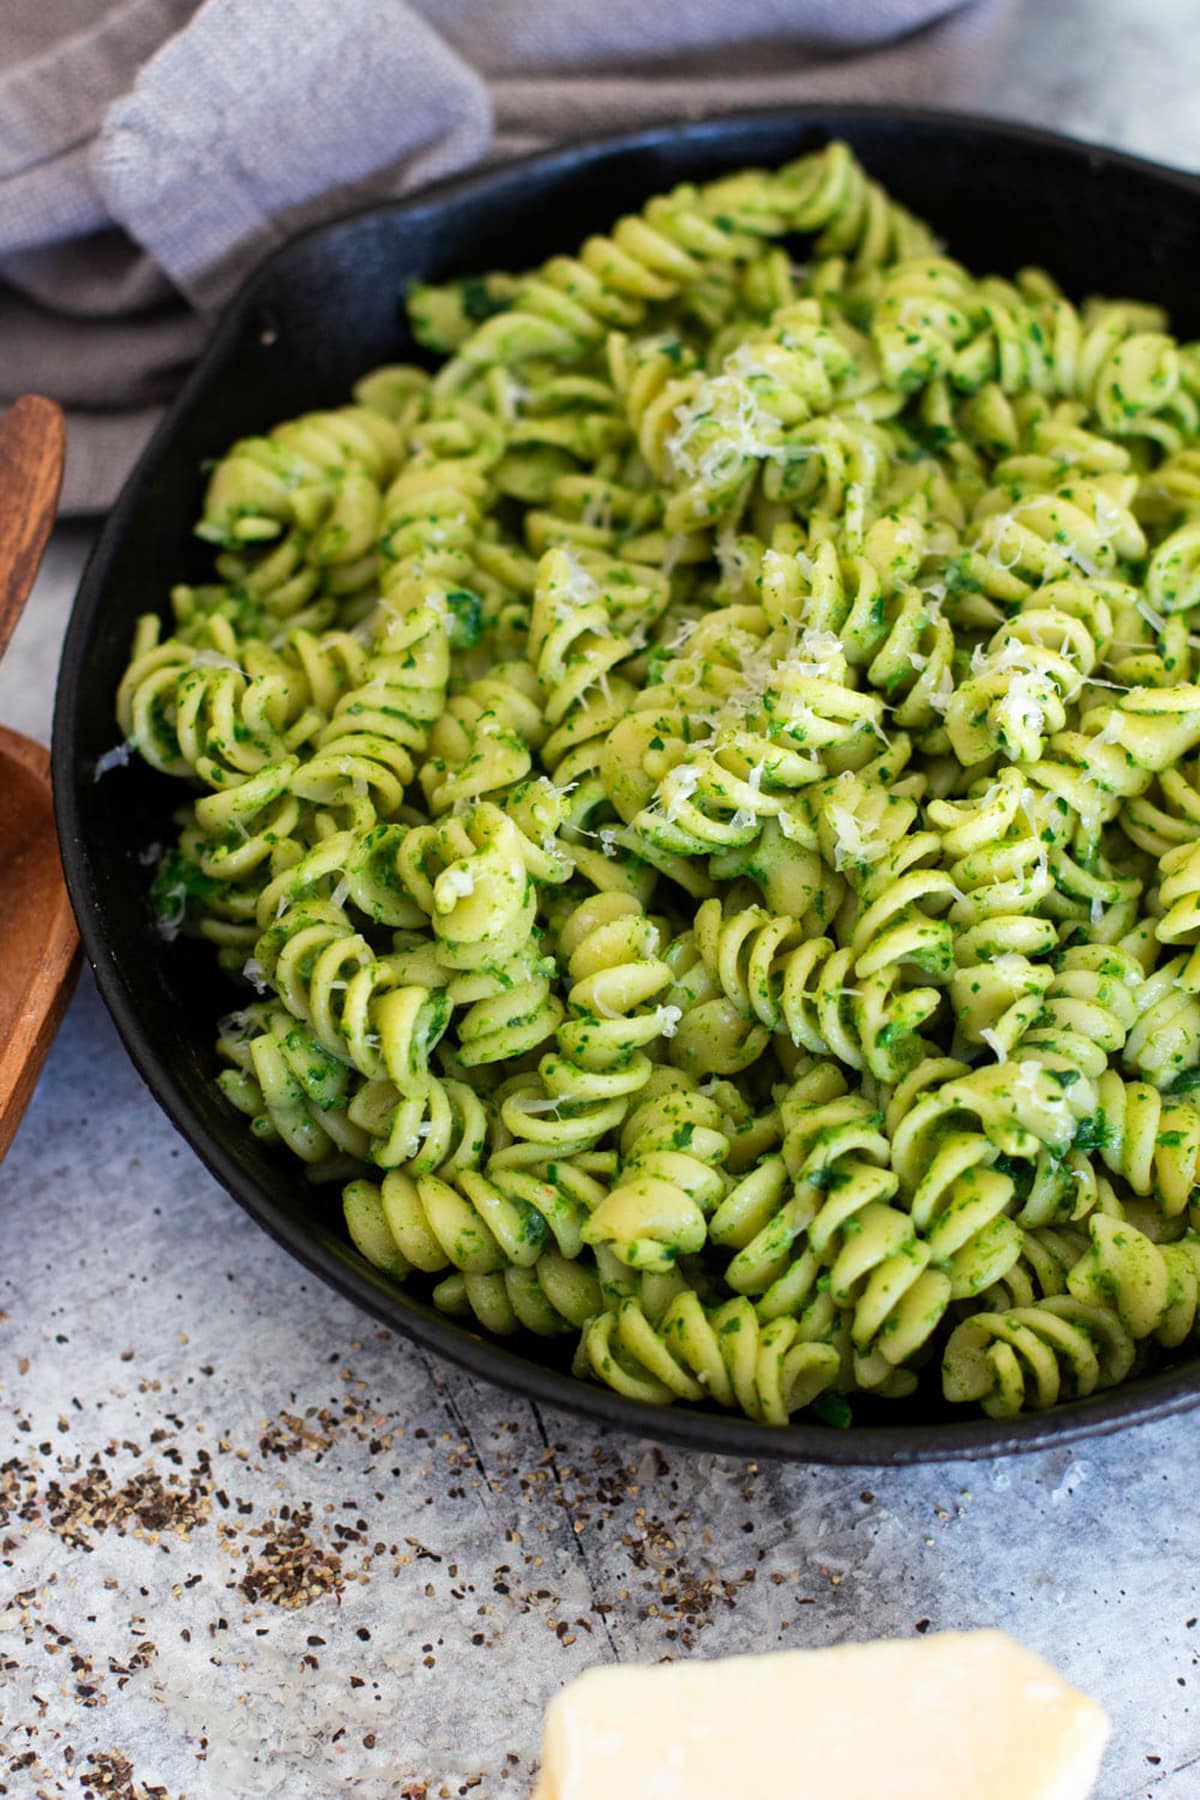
[1022, 707]
[167, 924]
[1090, 567]
[1109, 517]
[1010, 965]
[678, 786]
[683, 632]
[256, 975]
[1027, 804]
[213, 659]
[853, 842]
[545, 1103]
[1026, 1087]
[675, 548]
[116, 758]
[731, 558]
[1001, 525]
[580, 589]
[820, 655]
[668, 1018]
[234, 1025]
[455, 883]
[760, 674]
[941, 696]
[728, 403]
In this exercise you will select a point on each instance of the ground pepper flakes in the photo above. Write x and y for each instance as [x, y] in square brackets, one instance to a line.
[109, 1776]
[291, 1570]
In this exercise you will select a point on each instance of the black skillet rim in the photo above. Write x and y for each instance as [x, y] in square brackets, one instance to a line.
[1144, 1401]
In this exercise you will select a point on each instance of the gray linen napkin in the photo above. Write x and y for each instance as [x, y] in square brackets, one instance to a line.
[152, 151]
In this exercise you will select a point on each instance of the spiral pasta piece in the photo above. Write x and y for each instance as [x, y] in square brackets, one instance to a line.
[1163, 1046]
[731, 423]
[1179, 896]
[247, 826]
[599, 515]
[1151, 1140]
[611, 952]
[673, 1146]
[366, 749]
[553, 1297]
[292, 1090]
[1030, 537]
[1117, 751]
[1048, 1255]
[1021, 688]
[839, 1219]
[1088, 1010]
[480, 1222]
[710, 1034]
[1113, 356]
[769, 1372]
[364, 1010]
[945, 1119]
[439, 1132]
[1001, 871]
[1152, 1288]
[575, 649]
[219, 711]
[649, 374]
[1035, 1355]
[1167, 814]
[812, 990]
[321, 472]
[831, 194]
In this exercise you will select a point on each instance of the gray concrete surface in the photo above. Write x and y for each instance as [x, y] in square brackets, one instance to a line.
[251, 1545]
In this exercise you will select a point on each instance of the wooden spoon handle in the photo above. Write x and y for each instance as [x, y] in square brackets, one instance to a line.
[32, 444]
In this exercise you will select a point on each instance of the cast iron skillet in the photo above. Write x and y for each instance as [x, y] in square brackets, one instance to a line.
[303, 328]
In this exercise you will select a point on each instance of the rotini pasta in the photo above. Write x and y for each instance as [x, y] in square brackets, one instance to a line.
[704, 786]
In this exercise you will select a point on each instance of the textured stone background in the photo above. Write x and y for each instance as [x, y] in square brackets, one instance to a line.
[252, 1545]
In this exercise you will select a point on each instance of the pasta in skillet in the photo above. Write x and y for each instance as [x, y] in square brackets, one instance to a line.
[701, 792]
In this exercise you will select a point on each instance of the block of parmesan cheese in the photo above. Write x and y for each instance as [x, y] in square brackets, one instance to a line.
[959, 1716]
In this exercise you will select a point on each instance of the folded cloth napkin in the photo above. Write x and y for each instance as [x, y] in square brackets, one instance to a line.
[152, 151]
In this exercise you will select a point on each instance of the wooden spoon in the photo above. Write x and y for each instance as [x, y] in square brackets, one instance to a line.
[39, 946]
